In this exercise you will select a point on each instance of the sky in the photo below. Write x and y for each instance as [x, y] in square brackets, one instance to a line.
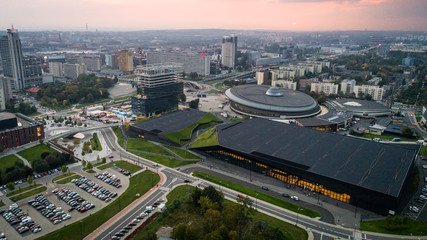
[289, 15]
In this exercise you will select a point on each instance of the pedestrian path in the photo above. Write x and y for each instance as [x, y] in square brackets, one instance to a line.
[23, 159]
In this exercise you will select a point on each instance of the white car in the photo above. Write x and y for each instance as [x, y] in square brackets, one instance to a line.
[295, 198]
[423, 197]
[425, 166]
[414, 209]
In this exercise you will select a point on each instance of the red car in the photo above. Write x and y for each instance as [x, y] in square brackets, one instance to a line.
[415, 124]
[111, 157]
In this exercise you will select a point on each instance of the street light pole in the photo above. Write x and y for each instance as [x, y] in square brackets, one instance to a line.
[296, 223]
[256, 201]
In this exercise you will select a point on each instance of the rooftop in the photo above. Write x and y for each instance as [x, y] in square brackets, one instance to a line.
[6, 115]
[371, 165]
[172, 122]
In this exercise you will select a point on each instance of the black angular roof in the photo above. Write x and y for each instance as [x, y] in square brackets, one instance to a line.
[172, 122]
[371, 165]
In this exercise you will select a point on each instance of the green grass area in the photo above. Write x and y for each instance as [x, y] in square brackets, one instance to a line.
[405, 227]
[23, 190]
[260, 195]
[184, 135]
[183, 153]
[7, 162]
[1, 204]
[208, 138]
[424, 151]
[90, 171]
[169, 162]
[388, 137]
[68, 179]
[128, 77]
[105, 166]
[63, 176]
[72, 112]
[182, 193]
[212, 91]
[138, 186]
[34, 153]
[96, 144]
[98, 164]
[119, 134]
[145, 146]
[30, 193]
[233, 120]
[34, 114]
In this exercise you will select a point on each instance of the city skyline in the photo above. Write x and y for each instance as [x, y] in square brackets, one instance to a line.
[281, 15]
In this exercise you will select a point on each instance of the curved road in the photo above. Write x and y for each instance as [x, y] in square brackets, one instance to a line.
[321, 230]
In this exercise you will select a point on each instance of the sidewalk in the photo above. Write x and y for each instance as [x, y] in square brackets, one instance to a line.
[126, 210]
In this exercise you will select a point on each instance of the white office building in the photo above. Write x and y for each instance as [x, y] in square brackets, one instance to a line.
[228, 54]
[199, 63]
[285, 84]
[73, 70]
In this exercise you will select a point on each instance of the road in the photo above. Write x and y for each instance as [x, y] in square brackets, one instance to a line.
[320, 229]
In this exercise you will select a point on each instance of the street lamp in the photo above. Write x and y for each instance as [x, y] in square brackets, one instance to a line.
[256, 201]
[81, 231]
[296, 223]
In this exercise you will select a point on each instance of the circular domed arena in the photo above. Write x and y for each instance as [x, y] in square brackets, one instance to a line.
[271, 102]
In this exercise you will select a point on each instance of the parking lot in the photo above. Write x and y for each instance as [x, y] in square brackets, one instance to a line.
[45, 223]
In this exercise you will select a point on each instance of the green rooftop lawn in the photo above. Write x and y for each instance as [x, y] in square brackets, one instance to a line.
[183, 153]
[184, 135]
[146, 146]
[208, 138]
[34, 153]
[68, 179]
[169, 162]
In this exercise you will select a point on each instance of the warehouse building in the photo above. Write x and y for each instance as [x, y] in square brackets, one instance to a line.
[366, 174]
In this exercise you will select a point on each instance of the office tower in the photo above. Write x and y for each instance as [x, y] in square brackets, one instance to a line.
[93, 63]
[56, 69]
[12, 57]
[125, 61]
[158, 88]
[347, 86]
[73, 70]
[32, 67]
[115, 61]
[228, 51]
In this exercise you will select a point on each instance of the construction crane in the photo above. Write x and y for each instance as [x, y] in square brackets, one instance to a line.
[140, 55]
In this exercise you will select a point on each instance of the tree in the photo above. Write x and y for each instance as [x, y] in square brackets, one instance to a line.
[83, 162]
[205, 204]
[89, 165]
[40, 165]
[179, 231]
[194, 104]
[10, 186]
[368, 97]
[98, 158]
[29, 179]
[64, 169]
[104, 160]
[213, 218]
[127, 127]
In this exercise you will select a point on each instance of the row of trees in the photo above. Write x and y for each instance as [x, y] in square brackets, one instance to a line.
[49, 161]
[24, 108]
[87, 88]
[16, 172]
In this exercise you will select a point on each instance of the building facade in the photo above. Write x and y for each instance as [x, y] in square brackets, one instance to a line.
[73, 70]
[12, 59]
[17, 129]
[326, 88]
[347, 86]
[229, 46]
[376, 92]
[199, 63]
[56, 69]
[285, 84]
[158, 87]
[32, 71]
[125, 60]
[93, 63]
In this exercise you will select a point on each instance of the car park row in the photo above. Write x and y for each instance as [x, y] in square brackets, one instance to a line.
[109, 178]
[53, 213]
[16, 215]
[134, 222]
[94, 189]
[73, 199]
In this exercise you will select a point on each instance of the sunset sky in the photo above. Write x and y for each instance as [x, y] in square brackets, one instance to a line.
[293, 15]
